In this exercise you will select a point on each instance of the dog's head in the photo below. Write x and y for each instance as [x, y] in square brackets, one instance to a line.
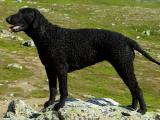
[24, 19]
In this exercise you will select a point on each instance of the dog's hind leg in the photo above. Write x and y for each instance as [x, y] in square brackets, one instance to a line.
[126, 72]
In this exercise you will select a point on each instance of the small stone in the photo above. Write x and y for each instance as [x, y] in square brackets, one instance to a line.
[65, 14]
[25, 6]
[147, 32]
[30, 2]
[14, 52]
[19, 38]
[13, 37]
[67, 17]
[138, 37]
[113, 24]
[15, 65]
[28, 43]
[54, 4]
[158, 55]
[25, 83]
[44, 9]
[18, 0]
[11, 95]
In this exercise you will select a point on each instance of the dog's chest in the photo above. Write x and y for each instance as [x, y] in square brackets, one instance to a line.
[81, 58]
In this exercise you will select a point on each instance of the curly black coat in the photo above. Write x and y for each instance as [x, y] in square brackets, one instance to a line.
[64, 50]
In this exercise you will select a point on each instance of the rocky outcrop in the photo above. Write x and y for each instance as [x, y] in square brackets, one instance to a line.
[93, 109]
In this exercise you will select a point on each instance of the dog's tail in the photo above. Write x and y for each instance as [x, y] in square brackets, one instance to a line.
[135, 46]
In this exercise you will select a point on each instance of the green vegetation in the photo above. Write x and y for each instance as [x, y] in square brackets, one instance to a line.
[131, 3]
[12, 73]
[130, 17]
[38, 93]
[12, 45]
[16, 91]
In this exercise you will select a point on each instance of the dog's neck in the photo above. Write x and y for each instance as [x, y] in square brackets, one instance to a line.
[40, 33]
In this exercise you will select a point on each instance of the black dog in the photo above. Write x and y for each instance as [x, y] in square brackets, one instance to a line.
[63, 50]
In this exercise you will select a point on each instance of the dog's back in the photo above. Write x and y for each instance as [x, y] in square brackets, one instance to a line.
[84, 47]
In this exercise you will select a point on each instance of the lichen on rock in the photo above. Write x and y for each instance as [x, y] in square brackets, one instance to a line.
[75, 109]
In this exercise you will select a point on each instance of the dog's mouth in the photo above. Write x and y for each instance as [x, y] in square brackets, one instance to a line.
[15, 28]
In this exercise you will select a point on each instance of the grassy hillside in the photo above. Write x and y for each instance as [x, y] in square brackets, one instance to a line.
[130, 17]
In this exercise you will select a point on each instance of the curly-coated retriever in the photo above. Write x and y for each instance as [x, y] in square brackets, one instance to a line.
[64, 50]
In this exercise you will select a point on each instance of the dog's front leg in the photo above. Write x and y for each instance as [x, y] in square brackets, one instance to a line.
[52, 79]
[62, 78]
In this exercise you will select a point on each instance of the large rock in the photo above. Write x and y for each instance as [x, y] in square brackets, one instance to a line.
[93, 109]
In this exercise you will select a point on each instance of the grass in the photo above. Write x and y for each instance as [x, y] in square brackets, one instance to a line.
[13, 45]
[131, 3]
[16, 91]
[13, 73]
[38, 93]
[101, 80]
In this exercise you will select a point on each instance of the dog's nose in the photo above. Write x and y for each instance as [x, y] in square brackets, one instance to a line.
[8, 19]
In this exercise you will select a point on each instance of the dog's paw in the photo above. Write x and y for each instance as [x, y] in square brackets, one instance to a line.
[48, 103]
[142, 111]
[58, 106]
[131, 107]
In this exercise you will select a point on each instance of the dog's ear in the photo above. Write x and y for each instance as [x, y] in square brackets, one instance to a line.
[36, 19]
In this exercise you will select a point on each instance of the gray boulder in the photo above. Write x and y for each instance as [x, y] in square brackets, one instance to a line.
[93, 109]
